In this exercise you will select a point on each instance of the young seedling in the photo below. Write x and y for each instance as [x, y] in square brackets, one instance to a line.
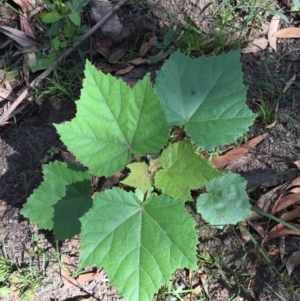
[143, 234]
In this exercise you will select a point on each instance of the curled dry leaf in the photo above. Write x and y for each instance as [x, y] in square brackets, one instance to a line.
[244, 234]
[289, 83]
[287, 33]
[138, 61]
[282, 248]
[125, 70]
[292, 262]
[222, 161]
[23, 4]
[281, 230]
[264, 202]
[102, 49]
[18, 36]
[256, 45]
[286, 200]
[146, 47]
[66, 274]
[272, 29]
[291, 215]
[297, 163]
[69, 157]
[257, 227]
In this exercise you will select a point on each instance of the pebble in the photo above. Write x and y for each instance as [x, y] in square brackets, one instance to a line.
[112, 28]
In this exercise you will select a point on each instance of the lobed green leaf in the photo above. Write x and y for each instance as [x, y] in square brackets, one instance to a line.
[139, 244]
[183, 170]
[112, 122]
[61, 199]
[139, 176]
[226, 201]
[207, 96]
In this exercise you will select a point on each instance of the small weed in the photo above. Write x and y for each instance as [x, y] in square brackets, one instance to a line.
[19, 279]
[63, 86]
[62, 26]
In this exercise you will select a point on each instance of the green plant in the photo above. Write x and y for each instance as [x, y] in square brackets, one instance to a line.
[140, 235]
[65, 28]
[296, 5]
[21, 278]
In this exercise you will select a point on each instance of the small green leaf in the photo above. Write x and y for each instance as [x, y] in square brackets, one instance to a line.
[70, 208]
[75, 18]
[55, 43]
[226, 201]
[279, 14]
[207, 95]
[51, 17]
[77, 5]
[61, 181]
[168, 38]
[157, 57]
[38, 64]
[112, 122]
[139, 244]
[139, 176]
[183, 170]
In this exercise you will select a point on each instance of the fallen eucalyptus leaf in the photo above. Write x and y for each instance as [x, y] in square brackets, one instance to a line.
[292, 262]
[222, 161]
[272, 29]
[18, 36]
[256, 45]
[287, 33]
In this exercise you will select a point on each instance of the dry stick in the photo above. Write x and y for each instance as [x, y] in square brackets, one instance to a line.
[23, 95]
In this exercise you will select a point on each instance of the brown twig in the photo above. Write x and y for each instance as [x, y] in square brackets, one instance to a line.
[35, 82]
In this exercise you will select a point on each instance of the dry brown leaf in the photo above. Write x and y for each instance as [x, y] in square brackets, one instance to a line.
[23, 4]
[273, 251]
[257, 227]
[282, 247]
[289, 83]
[66, 274]
[69, 157]
[281, 230]
[203, 278]
[240, 162]
[65, 271]
[270, 126]
[102, 49]
[287, 216]
[111, 181]
[18, 36]
[295, 182]
[222, 161]
[138, 61]
[26, 27]
[297, 163]
[287, 33]
[87, 277]
[256, 45]
[264, 202]
[292, 262]
[286, 200]
[146, 47]
[124, 70]
[272, 29]
[244, 234]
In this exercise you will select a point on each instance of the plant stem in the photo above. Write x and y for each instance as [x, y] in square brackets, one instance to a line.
[179, 134]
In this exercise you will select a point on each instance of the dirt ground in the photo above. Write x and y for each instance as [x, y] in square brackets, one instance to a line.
[237, 271]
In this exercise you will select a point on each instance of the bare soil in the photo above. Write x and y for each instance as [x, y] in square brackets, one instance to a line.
[238, 269]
